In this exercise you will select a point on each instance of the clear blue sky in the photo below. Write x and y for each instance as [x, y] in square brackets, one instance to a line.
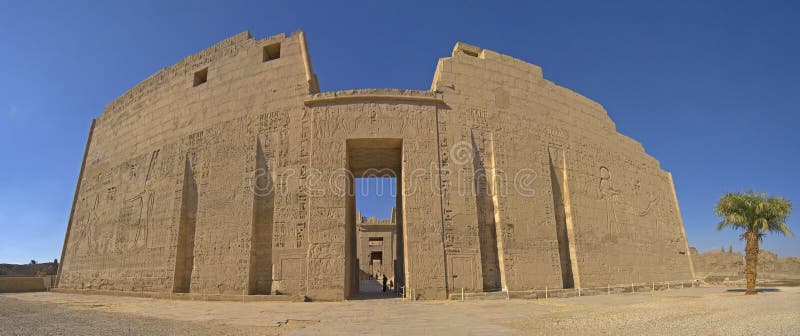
[711, 89]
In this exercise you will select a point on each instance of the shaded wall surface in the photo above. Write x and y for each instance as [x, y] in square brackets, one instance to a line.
[229, 173]
[25, 284]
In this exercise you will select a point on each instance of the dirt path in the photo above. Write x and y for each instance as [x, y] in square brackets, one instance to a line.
[696, 311]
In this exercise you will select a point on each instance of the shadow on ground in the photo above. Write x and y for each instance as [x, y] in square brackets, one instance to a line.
[372, 289]
[759, 290]
[372, 296]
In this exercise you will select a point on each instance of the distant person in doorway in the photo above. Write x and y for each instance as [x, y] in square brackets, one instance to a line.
[391, 285]
[384, 282]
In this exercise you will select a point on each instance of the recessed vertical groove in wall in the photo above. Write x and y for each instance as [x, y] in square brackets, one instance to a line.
[260, 274]
[487, 231]
[402, 226]
[442, 191]
[573, 251]
[497, 227]
[309, 119]
[351, 280]
[562, 213]
[397, 217]
[184, 257]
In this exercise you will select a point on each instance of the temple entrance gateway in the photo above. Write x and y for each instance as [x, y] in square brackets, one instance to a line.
[258, 197]
[374, 243]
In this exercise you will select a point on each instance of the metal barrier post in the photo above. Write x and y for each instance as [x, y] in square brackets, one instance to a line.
[667, 285]
[462, 293]
[545, 292]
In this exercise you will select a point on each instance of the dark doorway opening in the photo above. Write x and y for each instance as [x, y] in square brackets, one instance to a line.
[376, 264]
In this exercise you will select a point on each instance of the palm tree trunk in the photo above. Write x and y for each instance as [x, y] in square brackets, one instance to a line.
[751, 261]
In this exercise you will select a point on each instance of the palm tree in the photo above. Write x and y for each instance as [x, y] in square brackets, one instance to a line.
[756, 214]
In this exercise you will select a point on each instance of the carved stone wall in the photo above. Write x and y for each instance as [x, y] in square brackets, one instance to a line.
[229, 173]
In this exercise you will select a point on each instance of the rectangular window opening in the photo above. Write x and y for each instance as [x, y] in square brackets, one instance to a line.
[470, 53]
[375, 241]
[200, 77]
[272, 52]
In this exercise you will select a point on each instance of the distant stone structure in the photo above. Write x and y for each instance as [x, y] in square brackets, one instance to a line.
[230, 173]
[28, 270]
[716, 265]
[378, 248]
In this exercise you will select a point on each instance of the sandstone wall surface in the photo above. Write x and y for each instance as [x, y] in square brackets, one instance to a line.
[24, 284]
[229, 173]
[166, 134]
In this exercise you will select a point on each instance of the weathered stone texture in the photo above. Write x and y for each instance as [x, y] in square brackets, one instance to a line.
[716, 265]
[229, 173]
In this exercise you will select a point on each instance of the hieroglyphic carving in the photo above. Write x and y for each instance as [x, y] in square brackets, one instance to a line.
[133, 167]
[280, 235]
[148, 223]
[153, 160]
[555, 132]
[508, 231]
[300, 229]
[140, 227]
[125, 227]
[272, 121]
[195, 139]
[111, 193]
[444, 171]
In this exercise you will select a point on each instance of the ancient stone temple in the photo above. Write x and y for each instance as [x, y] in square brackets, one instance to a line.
[377, 249]
[230, 173]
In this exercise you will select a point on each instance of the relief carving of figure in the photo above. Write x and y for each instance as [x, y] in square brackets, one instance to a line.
[651, 198]
[131, 233]
[611, 197]
[87, 231]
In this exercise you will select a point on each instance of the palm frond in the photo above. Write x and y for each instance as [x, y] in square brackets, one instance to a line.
[756, 212]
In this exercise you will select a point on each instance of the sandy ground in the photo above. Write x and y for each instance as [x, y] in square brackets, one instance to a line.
[695, 311]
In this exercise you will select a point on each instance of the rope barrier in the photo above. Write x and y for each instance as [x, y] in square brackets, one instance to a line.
[547, 293]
